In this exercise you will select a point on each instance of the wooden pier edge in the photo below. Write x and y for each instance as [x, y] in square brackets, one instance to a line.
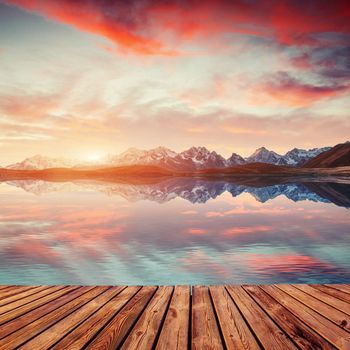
[284, 316]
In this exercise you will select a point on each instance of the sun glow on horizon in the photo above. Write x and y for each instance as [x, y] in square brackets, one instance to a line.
[94, 157]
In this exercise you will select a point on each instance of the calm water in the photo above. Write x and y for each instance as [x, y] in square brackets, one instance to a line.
[173, 232]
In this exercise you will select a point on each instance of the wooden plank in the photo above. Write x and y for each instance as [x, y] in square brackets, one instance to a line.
[8, 316]
[144, 333]
[174, 333]
[6, 293]
[232, 317]
[22, 295]
[26, 298]
[235, 330]
[328, 330]
[52, 335]
[19, 323]
[205, 331]
[301, 334]
[81, 335]
[36, 322]
[337, 306]
[269, 335]
[335, 293]
[114, 333]
[342, 287]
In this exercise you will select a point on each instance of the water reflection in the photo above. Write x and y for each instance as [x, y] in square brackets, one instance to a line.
[174, 231]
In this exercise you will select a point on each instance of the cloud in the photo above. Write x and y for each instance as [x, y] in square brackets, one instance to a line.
[28, 107]
[109, 130]
[153, 27]
[302, 61]
[286, 90]
[113, 20]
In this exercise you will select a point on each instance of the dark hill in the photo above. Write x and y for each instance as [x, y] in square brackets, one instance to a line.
[337, 156]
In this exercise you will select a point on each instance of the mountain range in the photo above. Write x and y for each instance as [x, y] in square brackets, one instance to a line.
[195, 158]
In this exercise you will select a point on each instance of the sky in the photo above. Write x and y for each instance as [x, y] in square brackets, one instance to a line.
[86, 78]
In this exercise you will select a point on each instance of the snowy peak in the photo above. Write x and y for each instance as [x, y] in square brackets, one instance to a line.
[195, 158]
[294, 157]
[298, 156]
[39, 162]
[201, 158]
[263, 155]
[235, 159]
[133, 156]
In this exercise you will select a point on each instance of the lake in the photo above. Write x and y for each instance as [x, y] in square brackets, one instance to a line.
[175, 231]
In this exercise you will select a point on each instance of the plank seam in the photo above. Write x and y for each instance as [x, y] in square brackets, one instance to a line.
[15, 292]
[189, 336]
[336, 297]
[27, 303]
[15, 300]
[26, 312]
[301, 320]
[245, 320]
[136, 319]
[275, 322]
[324, 316]
[86, 318]
[156, 339]
[335, 287]
[29, 289]
[34, 320]
[109, 321]
[324, 302]
[59, 319]
[217, 320]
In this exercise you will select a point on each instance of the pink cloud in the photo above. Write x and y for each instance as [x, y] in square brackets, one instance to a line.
[139, 26]
[285, 90]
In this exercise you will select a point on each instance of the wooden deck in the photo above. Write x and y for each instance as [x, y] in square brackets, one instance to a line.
[181, 317]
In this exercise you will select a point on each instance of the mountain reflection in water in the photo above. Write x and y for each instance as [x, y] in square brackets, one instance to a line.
[174, 231]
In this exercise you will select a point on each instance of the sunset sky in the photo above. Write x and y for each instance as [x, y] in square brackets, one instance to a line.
[88, 77]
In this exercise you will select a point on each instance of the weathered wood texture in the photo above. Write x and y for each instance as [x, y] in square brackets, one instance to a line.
[246, 317]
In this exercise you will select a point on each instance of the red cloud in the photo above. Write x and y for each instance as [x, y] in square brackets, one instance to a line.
[139, 26]
[290, 92]
[97, 18]
[28, 107]
[302, 62]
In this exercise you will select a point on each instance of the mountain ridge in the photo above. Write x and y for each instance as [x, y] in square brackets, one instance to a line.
[337, 156]
[192, 159]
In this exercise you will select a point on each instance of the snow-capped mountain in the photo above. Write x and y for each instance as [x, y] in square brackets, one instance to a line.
[263, 155]
[41, 162]
[160, 156]
[294, 157]
[195, 158]
[299, 156]
[201, 158]
[134, 156]
[235, 159]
